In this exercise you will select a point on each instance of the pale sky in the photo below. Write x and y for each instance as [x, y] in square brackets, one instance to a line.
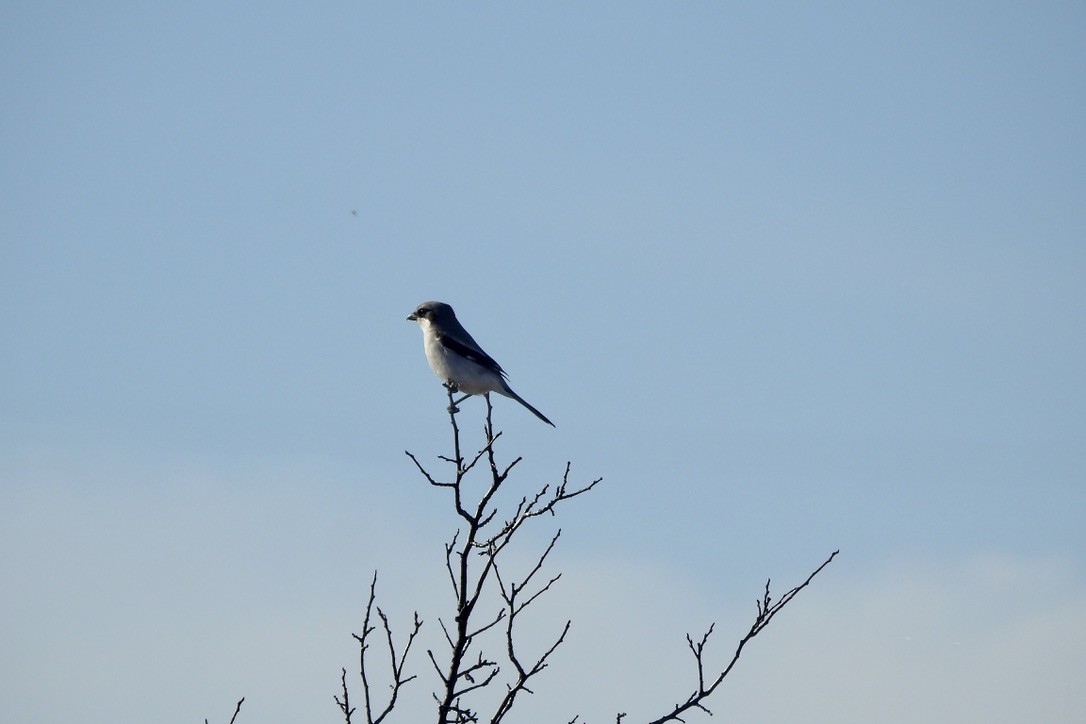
[791, 277]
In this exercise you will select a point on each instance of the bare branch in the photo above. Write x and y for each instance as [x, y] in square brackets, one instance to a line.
[514, 606]
[437, 666]
[524, 675]
[766, 609]
[426, 473]
[471, 561]
[344, 703]
[449, 549]
[397, 662]
[486, 530]
[489, 625]
[237, 710]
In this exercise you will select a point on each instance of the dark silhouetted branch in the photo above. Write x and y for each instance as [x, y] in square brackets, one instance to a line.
[397, 661]
[766, 610]
[471, 561]
[237, 710]
[482, 631]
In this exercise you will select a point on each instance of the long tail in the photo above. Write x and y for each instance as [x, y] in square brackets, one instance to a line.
[508, 392]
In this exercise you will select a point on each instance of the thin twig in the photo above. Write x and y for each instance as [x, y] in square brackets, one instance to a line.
[397, 662]
[471, 562]
[237, 710]
[766, 609]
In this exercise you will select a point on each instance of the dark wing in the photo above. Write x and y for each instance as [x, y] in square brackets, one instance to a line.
[474, 354]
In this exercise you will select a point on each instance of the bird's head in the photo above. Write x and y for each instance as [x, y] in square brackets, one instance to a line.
[431, 312]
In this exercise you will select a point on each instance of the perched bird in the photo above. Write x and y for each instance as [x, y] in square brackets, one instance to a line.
[457, 359]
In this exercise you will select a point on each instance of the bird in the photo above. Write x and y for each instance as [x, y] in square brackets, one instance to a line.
[458, 360]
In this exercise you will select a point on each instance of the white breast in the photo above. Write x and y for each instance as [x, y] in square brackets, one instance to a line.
[469, 378]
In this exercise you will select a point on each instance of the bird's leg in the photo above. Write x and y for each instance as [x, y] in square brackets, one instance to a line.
[453, 403]
[451, 387]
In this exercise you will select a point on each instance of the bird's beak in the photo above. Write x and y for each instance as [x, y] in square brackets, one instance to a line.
[412, 318]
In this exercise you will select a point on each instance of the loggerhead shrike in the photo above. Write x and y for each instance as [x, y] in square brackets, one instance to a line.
[457, 359]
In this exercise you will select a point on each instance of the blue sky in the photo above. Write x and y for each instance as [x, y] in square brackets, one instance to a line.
[791, 277]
